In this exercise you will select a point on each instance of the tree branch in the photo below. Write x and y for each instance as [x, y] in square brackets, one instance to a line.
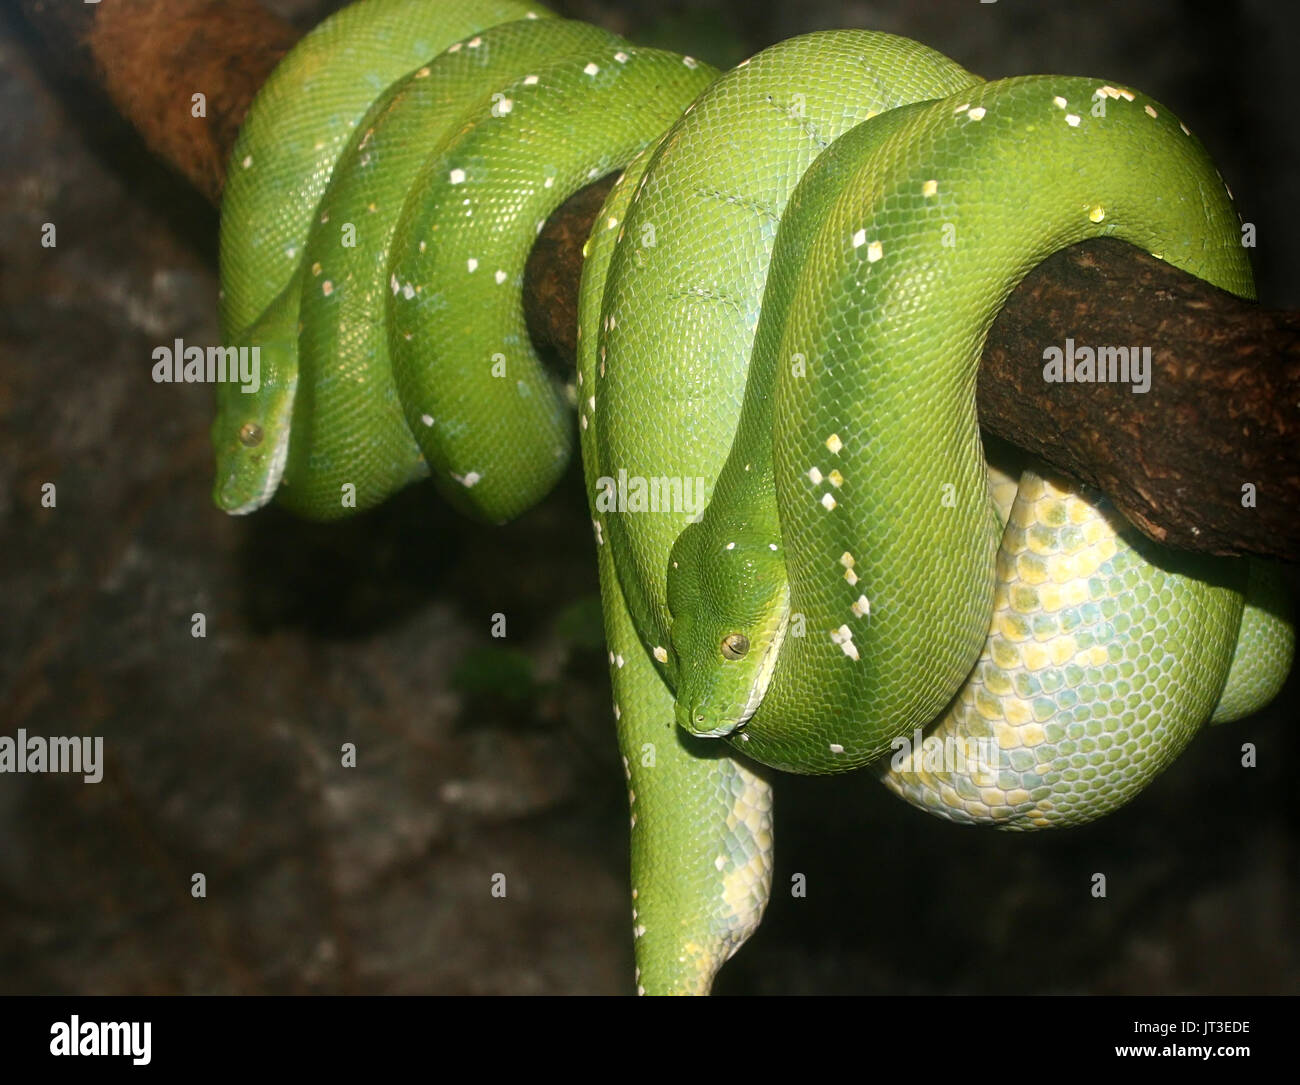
[1206, 460]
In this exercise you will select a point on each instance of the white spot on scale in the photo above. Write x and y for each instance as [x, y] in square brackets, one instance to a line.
[929, 188]
[843, 636]
[474, 43]
[836, 748]
[408, 291]
[1059, 102]
[834, 443]
[456, 177]
[851, 577]
[469, 480]
[548, 182]
[423, 73]
[874, 252]
[771, 546]
[619, 660]
[731, 546]
[621, 57]
[248, 161]
[471, 264]
[394, 284]
[828, 502]
[861, 606]
[660, 654]
[504, 106]
[591, 69]
[720, 863]
[1150, 112]
[690, 62]
[530, 80]
[962, 108]
[1186, 130]
[977, 114]
[814, 476]
[500, 276]
[859, 239]
[327, 288]
[1097, 213]
[846, 559]
[1072, 119]
[426, 419]
[455, 48]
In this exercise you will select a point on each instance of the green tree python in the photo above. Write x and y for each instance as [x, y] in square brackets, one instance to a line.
[783, 303]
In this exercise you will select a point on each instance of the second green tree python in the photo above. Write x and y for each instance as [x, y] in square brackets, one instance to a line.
[783, 304]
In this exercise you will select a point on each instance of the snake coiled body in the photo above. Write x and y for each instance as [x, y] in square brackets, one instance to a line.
[784, 298]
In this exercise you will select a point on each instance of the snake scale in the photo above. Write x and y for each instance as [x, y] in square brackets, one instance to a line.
[783, 301]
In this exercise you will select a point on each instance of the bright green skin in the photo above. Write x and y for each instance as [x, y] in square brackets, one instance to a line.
[695, 360]
[701, 825]
[302, 121]
[890, 306]
[474, 148]
[349, 424]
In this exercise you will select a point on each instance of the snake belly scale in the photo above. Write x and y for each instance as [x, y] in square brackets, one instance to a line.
[784, 297]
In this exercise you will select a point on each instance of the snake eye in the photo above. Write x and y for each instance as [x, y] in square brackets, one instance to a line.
[250, 434]
[735, 645]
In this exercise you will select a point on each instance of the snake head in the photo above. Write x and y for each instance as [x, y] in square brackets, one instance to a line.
[730, 603]
[250, 434]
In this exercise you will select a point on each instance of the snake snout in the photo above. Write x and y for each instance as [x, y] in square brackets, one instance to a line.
[696, 717]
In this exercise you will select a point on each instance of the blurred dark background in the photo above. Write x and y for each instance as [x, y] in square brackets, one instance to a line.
[476, 755]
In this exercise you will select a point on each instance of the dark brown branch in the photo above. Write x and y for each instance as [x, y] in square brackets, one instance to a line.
[1221, 414]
